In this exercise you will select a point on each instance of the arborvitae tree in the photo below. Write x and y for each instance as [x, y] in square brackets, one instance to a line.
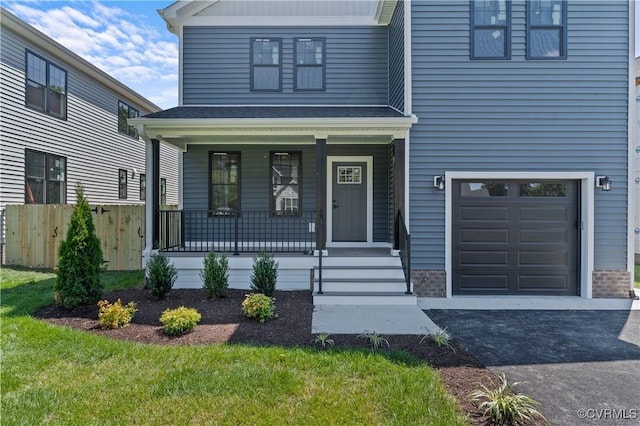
[215, 275]
[265, 274]
[80, 258]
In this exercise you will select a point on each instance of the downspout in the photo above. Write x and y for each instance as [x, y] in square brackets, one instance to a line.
[633, 138]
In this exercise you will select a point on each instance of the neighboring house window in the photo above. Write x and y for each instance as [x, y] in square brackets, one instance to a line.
[546, 29]
[143, 187]
[309, 62]
[224, 188]
[126, 111]
[45, 178]
[490, 29]
[122, 184]
[163, 191]
[266, 61]
[46, 87]
[285, 182]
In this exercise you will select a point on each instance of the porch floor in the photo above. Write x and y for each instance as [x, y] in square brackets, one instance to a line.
[355, 319]
[358, 251]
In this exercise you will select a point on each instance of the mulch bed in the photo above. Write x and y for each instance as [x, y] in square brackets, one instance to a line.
[223, 321]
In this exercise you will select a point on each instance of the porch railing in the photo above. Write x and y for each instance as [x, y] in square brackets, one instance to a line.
[405, 250]
[246, 231]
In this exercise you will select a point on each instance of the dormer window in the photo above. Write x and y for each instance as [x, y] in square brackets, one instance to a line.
[266, 64]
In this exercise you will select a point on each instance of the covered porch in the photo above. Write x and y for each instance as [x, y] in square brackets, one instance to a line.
[286, 180]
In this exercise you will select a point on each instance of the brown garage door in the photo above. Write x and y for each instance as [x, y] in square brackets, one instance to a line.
[515, 237]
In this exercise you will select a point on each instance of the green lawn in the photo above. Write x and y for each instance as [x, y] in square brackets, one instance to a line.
[637, 276]
[53, 375]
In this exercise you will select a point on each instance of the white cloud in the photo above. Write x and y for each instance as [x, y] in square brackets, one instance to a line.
[121, 43]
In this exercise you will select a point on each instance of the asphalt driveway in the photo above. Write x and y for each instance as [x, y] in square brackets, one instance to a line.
[583, 366]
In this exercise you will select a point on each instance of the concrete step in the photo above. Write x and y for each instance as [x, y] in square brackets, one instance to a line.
[360, 272]
[361, 285]
[365, 298]
[361, 261]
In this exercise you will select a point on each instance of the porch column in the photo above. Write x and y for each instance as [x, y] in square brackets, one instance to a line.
[398, 188]
[155, 191]
[321, 193]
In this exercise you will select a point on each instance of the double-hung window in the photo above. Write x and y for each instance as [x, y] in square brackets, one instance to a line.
[46, 86]
[309, 73]
[490, 29]
[285, 182]
[546, 29]
[45, 178]
[126, 111]
[266, 64]
[224, 182]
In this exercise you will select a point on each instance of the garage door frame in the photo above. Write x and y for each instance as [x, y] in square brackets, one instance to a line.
[586, 211]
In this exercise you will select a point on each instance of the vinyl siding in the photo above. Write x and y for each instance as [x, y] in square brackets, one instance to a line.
[88, 138]
[216, 66]
[396, 58]
[254, 172]
[519, 115]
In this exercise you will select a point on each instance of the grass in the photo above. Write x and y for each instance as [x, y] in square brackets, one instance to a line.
[54, 375]
[637, 276]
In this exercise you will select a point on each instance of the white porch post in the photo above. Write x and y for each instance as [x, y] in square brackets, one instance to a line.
[148, 233]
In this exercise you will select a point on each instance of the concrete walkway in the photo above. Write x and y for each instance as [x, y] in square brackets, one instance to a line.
[351, 319]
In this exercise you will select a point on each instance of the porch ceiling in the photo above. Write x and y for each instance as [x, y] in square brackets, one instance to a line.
[182, 126]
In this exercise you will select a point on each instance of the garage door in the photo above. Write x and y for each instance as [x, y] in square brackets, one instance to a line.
[515, 237]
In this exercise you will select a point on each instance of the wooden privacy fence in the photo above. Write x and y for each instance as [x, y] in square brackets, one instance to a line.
[34, 233]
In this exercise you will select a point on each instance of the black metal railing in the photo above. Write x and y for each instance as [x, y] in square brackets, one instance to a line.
[320, 247]
[405, 250]
[246, 231]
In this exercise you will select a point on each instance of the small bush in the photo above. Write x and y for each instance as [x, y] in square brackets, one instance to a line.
[80, 258]
[161, 275]
[323, 340]
[179, 321]
[265, 274]
[441, 338]
[215, 276]
[259, 307]
[114, 315]
[502, 406]
[375, 340]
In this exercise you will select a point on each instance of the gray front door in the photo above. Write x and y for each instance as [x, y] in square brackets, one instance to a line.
[349, 203]
[516, 237]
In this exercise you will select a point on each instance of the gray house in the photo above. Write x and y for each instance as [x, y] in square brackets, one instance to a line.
[63, 120]
[386, 149]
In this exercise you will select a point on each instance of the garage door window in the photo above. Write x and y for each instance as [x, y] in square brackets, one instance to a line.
[532, 189]
[484, 189]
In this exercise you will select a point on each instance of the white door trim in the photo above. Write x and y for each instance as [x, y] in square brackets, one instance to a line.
[586, 211]
[362, 159]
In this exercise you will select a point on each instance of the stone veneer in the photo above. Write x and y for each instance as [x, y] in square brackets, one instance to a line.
[429, 283]
[611, 284]
[432, 283]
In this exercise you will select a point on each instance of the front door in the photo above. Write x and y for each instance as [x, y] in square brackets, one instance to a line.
[349, 203]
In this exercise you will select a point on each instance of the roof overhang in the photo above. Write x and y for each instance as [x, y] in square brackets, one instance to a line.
[181, 132]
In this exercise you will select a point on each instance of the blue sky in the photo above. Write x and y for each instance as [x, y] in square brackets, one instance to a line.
[127, 39]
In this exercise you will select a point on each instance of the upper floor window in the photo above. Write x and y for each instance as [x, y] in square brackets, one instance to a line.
[490, 29]
[45, 178]
[46, 87]
[266, 64]
[309, 64]
[285, 182]
[224, 188]
[127, 111]
[122, 184]
[546, 29]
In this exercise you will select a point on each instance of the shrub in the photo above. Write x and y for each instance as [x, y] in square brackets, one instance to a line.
[441, 338]
[80, 258]
[259, 307]
[265, 274]
[215, 276]
[323, 340]
[114, 315]
[179, 321]
[161, 275]
[502, 406]
[375, 340]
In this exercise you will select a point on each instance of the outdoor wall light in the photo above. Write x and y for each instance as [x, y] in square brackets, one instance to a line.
[438, 182]
[603, 182]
